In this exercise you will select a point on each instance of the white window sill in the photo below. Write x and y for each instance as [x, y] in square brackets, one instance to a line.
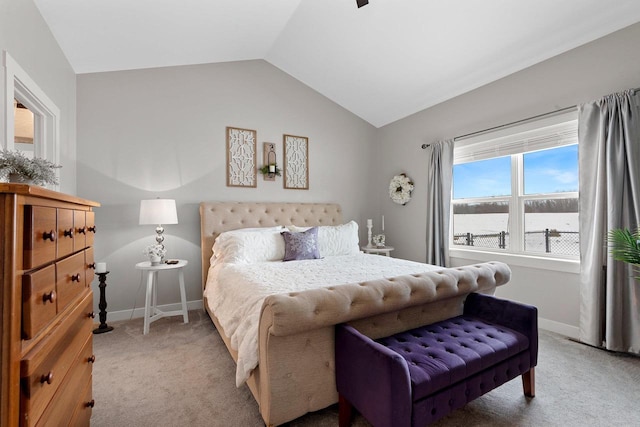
[530, 261]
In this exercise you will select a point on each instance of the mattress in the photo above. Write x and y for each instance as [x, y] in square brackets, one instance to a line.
[235, 292]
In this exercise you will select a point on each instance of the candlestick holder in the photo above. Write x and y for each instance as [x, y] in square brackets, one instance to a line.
[369, 227]
[102, 277]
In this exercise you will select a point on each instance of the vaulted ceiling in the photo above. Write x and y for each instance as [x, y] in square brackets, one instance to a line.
[384, 61]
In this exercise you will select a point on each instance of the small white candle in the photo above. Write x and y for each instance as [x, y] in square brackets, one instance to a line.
[369, 223]
[101, 267]
[272, 168]
[382, 223]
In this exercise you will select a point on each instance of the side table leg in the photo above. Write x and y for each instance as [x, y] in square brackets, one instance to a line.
[183, 297]
[147, 303]
[154, 299]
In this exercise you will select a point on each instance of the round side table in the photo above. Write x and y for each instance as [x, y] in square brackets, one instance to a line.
[151, 312]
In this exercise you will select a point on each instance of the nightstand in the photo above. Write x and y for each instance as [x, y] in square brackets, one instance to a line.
[384, 250]
[151, 312]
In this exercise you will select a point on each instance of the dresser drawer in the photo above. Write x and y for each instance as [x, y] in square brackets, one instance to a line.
[80, 227]
[39, 300]
[40, 235]
[82, 414]
[90, 222]
[84, 407]
[45, 367]
[72, 392]
[70, 281]
[66, 232]
[89, 267]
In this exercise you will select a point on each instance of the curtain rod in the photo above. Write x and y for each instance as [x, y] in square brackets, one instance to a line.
[517, 122]
[506, 125]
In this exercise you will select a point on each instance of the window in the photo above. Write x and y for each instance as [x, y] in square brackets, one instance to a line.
[516, 190]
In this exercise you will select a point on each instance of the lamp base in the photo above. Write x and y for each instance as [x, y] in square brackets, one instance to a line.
[159, 237]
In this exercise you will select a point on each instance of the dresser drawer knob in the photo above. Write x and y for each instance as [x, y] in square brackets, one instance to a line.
[92, 358]
[68, 233]
[91, 315]
[51, 297]
[75, 277]
[82, 230]
[92, 229]
[92, 266]
[51, 235]
[91, 403]
[47, 378]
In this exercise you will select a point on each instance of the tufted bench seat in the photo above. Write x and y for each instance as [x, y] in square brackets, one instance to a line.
[416, 377]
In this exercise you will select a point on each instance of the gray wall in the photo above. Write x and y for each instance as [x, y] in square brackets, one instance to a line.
[161, 133]
[26, 37]
[604, 66]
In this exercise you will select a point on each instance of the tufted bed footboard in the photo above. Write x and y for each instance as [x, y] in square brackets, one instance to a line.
[297, 363]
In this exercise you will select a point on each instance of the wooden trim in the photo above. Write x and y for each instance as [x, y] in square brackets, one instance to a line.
[10, 296]
[34, 190]
[5, 310]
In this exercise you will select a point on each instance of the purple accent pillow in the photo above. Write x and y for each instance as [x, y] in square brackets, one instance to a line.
[303, 245]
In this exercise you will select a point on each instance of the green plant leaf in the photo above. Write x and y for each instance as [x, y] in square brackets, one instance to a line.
[624, 245]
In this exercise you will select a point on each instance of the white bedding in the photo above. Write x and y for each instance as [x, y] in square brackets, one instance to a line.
[235, 293]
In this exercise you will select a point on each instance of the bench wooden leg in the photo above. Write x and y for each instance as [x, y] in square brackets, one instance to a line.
[345, 411]
[529, 383]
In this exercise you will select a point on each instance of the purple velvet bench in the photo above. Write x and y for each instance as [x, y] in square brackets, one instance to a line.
[416, 377]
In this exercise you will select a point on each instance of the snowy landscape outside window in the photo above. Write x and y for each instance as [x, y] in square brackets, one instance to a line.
[518, 193]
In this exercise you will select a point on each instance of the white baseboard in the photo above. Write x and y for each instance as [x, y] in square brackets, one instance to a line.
[114, 316]
[559, 328]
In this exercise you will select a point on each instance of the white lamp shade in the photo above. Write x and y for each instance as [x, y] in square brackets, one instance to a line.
[158, 211]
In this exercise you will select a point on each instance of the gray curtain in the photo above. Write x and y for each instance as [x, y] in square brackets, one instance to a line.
[609, 156]
[440, 171]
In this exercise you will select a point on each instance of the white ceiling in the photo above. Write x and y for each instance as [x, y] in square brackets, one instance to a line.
[383, 62]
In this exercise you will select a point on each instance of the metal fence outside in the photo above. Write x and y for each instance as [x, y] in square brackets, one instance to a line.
[547, 241]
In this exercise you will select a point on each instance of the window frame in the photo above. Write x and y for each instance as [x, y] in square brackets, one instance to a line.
[550, 132]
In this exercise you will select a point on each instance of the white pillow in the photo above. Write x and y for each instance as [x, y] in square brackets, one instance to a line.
[335, 240]
[249, 245]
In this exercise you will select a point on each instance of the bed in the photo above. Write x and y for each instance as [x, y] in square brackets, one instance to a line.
[293, 333]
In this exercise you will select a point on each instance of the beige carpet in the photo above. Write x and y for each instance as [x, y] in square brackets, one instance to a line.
[182, 375]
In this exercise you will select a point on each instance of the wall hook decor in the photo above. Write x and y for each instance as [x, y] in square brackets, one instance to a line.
[270, 169]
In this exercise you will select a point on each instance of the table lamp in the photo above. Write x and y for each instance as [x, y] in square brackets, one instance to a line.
[158, 211]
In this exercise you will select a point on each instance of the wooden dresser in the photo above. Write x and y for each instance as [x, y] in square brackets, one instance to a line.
[46, 246]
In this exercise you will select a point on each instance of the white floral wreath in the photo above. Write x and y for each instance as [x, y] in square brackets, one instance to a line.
[400, 189]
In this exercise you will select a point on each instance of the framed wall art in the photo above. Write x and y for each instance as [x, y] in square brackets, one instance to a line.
[296, 162]
[241, 157]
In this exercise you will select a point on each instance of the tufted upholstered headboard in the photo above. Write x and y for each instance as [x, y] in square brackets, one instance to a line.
[217, 217]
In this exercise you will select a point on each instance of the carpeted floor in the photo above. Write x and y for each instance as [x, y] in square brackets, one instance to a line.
[182, 375]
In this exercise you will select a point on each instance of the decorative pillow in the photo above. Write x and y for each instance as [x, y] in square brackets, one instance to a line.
[249, 245]
[335, 240]
[301, 245]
